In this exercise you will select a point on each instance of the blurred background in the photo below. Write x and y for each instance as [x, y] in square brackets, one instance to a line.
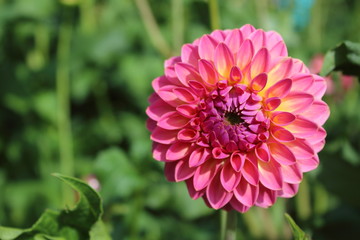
[75, 76]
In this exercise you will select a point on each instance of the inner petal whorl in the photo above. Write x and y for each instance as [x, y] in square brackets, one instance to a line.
[233, 117]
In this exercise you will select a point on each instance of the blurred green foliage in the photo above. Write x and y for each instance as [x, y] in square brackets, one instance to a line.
[75, 77]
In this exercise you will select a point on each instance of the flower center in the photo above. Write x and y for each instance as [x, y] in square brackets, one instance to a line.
[232, 118]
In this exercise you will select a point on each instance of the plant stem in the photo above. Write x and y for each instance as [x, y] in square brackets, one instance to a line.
[152, 28]
[177, 20]
[228, 229]
[214, 14]
[63, 100]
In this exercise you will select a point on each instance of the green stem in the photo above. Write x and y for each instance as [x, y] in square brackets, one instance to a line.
[214, 14]
[177, 13]
[152, 28]
[63, 101]
[228, 225]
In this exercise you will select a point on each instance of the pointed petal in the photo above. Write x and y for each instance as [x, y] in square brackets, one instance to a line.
[223, 60]
[182, 171]
[163, 136]
[189, 54]
[234, 40]
[272, 103]
[296, 102]
[302, 81]
[250, 172]
[157, 109]
[238, 206]
[237, 161]
[186, 72]
[301, 149]
[318, 112]
[302, 127]
[207, 45]
[246, 193]
[204, 174]
[282, 154]
[199, 156]
[159, 151]
[280, 71]
[259, 82]
[307, 165]
[266, 197]
[246, 30]
[185, 94]
[245, 54]
[216, 194]
[280, 89]
[281, 134]
[172, 121]
[291, 173]
[262, 152]
[192, 192]
[258, 38]
[282, 118]
[235, 75]
[208, 72]
[260, 62]
[288, 190]
[188, 135]
[270, 175]
[279, 49]
[229, 177]
[169, 171]
[178, 151]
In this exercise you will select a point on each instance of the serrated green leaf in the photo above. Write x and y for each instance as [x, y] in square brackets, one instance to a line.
[345, 57]
[78, 223]
[296, 230]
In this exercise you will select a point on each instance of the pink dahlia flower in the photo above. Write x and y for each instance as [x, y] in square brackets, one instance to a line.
[237, 119]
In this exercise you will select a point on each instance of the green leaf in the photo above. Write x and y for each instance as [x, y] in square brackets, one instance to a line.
[82, 222]
[345, 57]
[296, 230]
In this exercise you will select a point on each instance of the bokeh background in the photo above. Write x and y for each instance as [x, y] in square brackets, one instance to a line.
[75, 76]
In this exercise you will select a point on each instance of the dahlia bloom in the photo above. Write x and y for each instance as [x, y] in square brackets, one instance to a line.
[237, 119]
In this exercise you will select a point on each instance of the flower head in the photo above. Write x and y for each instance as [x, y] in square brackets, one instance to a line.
[237, 119]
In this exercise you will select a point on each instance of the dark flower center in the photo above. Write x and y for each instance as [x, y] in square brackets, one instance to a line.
[233, 118]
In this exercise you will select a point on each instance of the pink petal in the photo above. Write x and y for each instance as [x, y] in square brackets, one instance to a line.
[192, 192]
[188, 135]
[187, 110]
[160, 82]
[262, 152]
[189, 54]
[178, 151]
[282, 118]
[280, 89]
[259, 82]
[302, 127]
[318, 88]
[229, 178]
[279, 49]
[186, 72]
[185, 94]
[218, 35]
[291, 173]
[199, 156]
[157, 109]
[223, 60]
[238, 206]
[260, 62]
[150, 124]
[272, 103]
[218, 153]
[208, 72]
[250, 172]
[163, 136]
[171, 61]
[282, 154]
[258, 39]
[172, 121]
[288, 190]
[182, 171]
[301, 149]
[266, 197]
[169, 171]
[270, 175]
[168, 96]
[246, 193]
[246, 30]
[207, 45]
[205, 173]
[280, 71]
[302, 81]
[237, 161]
[245, 54]
[234, 40]
[216, 194]
[309, 164]
[235, 75]
[171, 76]
[281, 134]
[296, 102]
[159, 151]
[272, 39]
[318, 112]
